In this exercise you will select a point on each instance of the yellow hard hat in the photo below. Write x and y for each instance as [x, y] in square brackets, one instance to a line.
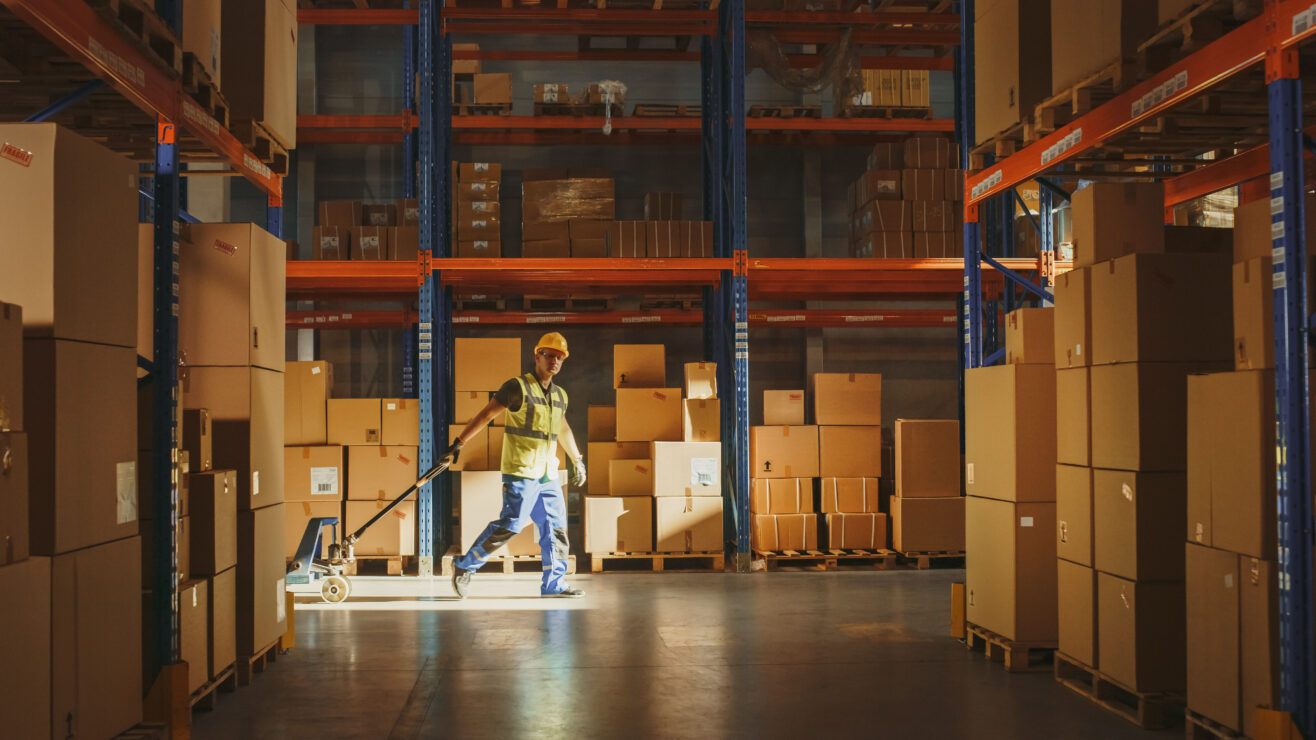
[553, 340]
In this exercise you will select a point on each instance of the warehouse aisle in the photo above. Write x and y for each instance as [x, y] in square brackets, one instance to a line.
[792, 655]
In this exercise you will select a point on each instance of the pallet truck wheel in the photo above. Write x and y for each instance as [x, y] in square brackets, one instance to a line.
[335, 589]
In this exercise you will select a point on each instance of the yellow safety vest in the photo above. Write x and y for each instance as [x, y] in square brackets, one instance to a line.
[530, 442]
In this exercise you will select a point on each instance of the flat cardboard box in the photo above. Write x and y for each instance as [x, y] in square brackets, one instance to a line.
[1086, 37]
[927, 457]
[467, 404]
[783, 408]
[778, 532]
[202, 33]
[598, 458]
[81, 444]
[618, 524]
[847, 398]
[76, 278]
[313, 473]
[1139, 414]
[700, 380]
[927, 524]
[1141, 628]
[296, 515]
[13, 498]
[399, 421]
[306, 387]
[493, 88]
[11, 366]
[688, 524]
[223, 620]
[630, 477]
[25, 653]
[244, 405]
[850, 451]
[1133, 515]
[484, 248]
[1074, 514]
[484, 364]
[193, 631]
[1073, 318]
[1010, 568]
[261, 583]
[602, 423]
[649, 414]
[1030, 336]
[260, 57]
[784, 495]
[370, 243]
[1012, 67]
[213, 513]
[95, 639]
[394, 534]
[1212, 662]
[850, 495]
[481, 501]
[1161, 308]
[1074, 416]
[856, 531]
[687, 468]
[340, 213]
[1010, 432]
[1114, 219]
[354, 421]
[198, 442]
[1259, 647]
[1076, 601]
[380, 473]
[783, 451]
[701, 420]
[639, 366]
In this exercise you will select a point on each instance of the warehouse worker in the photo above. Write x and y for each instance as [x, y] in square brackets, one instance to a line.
[536, 422]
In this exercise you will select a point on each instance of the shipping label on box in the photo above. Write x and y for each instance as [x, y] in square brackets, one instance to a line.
[778, 532]
[618, 524]
[330, 243]
[849, 495]
[313, 473]
[783, 408]
[702, 420]
[785, 495]
[687, 469]
[630, 478]
[877, 185]
[370, 243]
[783, 451]
[379, 214]
[551, 93]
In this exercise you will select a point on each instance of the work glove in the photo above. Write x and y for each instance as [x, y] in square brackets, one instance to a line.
[450, 457]
[577, 475]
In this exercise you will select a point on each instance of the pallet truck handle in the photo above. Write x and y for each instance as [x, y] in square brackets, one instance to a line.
[429, 475]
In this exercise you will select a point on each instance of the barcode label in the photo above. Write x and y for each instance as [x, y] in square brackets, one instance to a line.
[324, 481]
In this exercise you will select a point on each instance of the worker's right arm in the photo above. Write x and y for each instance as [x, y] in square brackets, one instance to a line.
[481, 420]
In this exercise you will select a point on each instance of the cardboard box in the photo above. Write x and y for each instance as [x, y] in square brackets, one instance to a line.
[1254, 315]
[25, 617]
[561, 200]
[246, 425]
[1010, 568]
[468, 404]
[599, 458]
[847, 398]
[639, 366]
[214, 516]
[922, 184]
[202, 32]
[223, 620]
[856, 531]
[630, 477]
[1010, 432]
[331, 243]
[551, 93]
[485, 364]
[1134, 515]
[261, 587]
[1074, 416]
[687, 468]
[784, 495]
[927, 457]
[850, 451]
[688, 524]
[628, 239]
[701, 420]
[394, 534]
[1259, 646]
[589, 248]
[1212, 662]
[778, 532]
[1074, 514]
[1161, 308]
[399, 421]
[479, 248]
[379, 214]
[194, 631]
[602, 423]
[877, 185]
[480, 228]
[783, 408]
[649, 414]
[938, 244]
[1030, 336]
[197, 440]
[475, 451]
[404, 243]
[313, 473]
[700, 380]
[370, 243]
[76, 278]
[380, 473]
[306, 388]
[850, 495]
[1076, 601]
[618, 524]
[546, 249]
[493, 88]
[11, 366]
[927, 524]
[487, 172]
[95, 639]
[465, 66]
[13, 498]
[1012, 66]
[341, 213]
[297, 514]
[1086, 37]
[927, 152]
[232, 283]
[1203, 414]
[887, 156]
[481, 502]
[354, 421]
[935, 215]
[882, 215]
[664, 239]
[783, 451]
[260, 57]
[1113, 219]
[1139, 414]
[957, 621]
[663, 206]
[1252, 230]
[81, 451]
[1073, 318]
[408, 209]
[1141, 628]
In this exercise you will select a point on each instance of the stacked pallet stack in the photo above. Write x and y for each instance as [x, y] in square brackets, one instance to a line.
[351, 229]
[476, 209]
[927, 510]
[847, 408]
[909, 201]
[566, 213]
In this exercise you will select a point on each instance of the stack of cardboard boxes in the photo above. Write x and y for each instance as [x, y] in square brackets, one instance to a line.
[909, 202]
[906, 88]
[476, 209]
[655, 460]
[566, 213]
[927, 510]
[350, 229]
[258, 45]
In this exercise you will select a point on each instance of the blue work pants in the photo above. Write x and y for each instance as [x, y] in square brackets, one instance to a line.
[525, 501]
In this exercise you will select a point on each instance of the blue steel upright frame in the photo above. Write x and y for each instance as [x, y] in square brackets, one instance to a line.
[971, 314]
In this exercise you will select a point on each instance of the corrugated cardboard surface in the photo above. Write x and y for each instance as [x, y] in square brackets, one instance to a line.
[1077, 611]
[1074, 416]
[1010, 568]
[260, 58]
[400, 421]
[1073, 318]
[1202, 417]
[630, 477]
[1259, 648]
[214, 516]
[1243, 512]
[618, 524]
[1213, 669]
[1012, 65]
[688, 524]
[602, 423]
[927, 455]
[783, 451]
[777, 532]
[261, 583]
[1030, 336]
[193, 631]
[305, 390]
[198, 443]
[1161, 308]
[25, 651]
[687, 468]
[223, 620]
[783, 408]
[1141, 628]
[849, 495]
[850, 451]
[13, 498]
[649, 414]
[313, 473]
[851, 530]
[639, 366]
[232, 286]
[375, 473]
[599, 457]
[701, 420]
[700, 380]
[1086, 37]
[927, 524]
[481, 501]
[1010, 432]
[1139, 414]
[1252, 234]
[247, 425]
[1254, 314]
[484, 364]
[354, 421]
[783, 495]
[393, 534]
[202, 29]
[847, 398]
[295, 516]
[1074, 514]
[1115, 219]
[466, 404]
[11, 367]
[1136, 518]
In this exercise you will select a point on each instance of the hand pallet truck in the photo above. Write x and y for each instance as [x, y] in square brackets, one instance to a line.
[309, 567]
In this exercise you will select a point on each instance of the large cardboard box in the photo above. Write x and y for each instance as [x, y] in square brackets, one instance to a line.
[630, 477]
[687, 468]
[1073, 318]
[245, 405]
[783, 408]
[183, 549]
[649, 414]
[399, 421]
[1030, 336]
[1161, 308]
[202, 32]
[1213, 665]
[380, 473]
[354, 421]
[1010, 434]
[223, 620]
[1076, 602]
[340, 213]
[777, 532]
[313, 473]
[927, 454]
[1139, 414]
[394, 534]
[484, 364]
[13, 498]
[296, 514]
[1013, 63]
[467, 404]
[1074, 416]
[1010, 568]
[700, 380]
[306, 388]
[1114, 219]
[232, 287]
[331, 243]
[493, 88]
[701, 420]
[1203, 415]
[927, 524]
[783, 452]
[81, 443]
[481, 501]
[260, 58]
[198, 441]
[849, 495]
[261, 584]
[847, 398]
[688, 524]
[194, 631]
[1254, 315]
[26, 650]
[784, 495]
[1259, 647]
[214, 518]
[371, 242]
[1074, 514]
[850, 451]
[75, 277]
[856, 531]
[598, 458]
[639, 366]
[602, 423]
[1136, 521]
[1242, 455]
[618, 524]
[1086, 37]
[1253, 237]
[1141, 628]
[11, 367]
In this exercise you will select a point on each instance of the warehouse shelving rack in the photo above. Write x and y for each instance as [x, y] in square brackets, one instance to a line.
[1263, 52]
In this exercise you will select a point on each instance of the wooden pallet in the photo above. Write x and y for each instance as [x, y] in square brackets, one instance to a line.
[921, 560]
[579, 110]
[1081, 97]
[198, 84]
[480, 303]
[886, 111]
[138, 21]
[827, 559]
[663, 110]
[207, 696]
[1018, 657]
[785, 111]
[658, 561]
[1002, 144]
[673, 302]
[1192, 29]
[249, 665]
[1148, 710]
[1198, 727]
[482, 109]
[266, 148]
[567, 303]
[146, 731]
[506, 564]
[386, 565]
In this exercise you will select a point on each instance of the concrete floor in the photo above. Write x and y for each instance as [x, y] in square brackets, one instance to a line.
[790, 655]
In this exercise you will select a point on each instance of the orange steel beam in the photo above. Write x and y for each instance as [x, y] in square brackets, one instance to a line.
[357, 17]
[942, 63]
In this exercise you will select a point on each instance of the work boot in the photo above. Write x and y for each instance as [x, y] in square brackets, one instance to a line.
[567, 593]
[461, 581]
